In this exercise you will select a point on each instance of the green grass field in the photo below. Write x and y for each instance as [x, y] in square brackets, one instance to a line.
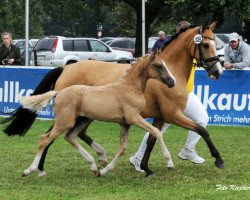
[69, 176]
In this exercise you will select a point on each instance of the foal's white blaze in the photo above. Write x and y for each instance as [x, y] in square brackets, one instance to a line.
[218, 65]
[171, 75]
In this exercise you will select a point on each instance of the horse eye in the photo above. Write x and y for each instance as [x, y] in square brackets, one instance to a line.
[205, 45]
[157, 65]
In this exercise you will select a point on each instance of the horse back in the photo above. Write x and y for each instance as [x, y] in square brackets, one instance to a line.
[90, 73]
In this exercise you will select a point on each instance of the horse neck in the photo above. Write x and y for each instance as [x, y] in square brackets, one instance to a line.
[178, 55]
[137, 77]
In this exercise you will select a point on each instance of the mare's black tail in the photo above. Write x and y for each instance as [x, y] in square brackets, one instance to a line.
[21, 119]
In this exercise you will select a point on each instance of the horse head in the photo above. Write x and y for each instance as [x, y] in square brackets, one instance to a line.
[205, 51]
[159, 70]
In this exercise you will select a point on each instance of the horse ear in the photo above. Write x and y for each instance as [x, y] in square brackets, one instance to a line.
[204, 26]
[152, 56]
[213, 26]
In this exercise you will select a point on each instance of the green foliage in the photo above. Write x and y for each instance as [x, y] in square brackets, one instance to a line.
[69, 177]
[119, 18]
[126, 18]
[168, 28]
[12, 14]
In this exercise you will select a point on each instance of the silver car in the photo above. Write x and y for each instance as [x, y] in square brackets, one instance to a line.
[60, 51]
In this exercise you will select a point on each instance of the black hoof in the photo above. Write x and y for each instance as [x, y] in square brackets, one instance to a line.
[220, 165]
[148, 172]
[149, 175]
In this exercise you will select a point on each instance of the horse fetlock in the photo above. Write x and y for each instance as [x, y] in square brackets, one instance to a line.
[93, 167]
[102, 157]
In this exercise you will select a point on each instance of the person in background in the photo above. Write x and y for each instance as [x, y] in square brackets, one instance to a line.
[237, 53]
[9, 53]
[194, 110]
[160, 42]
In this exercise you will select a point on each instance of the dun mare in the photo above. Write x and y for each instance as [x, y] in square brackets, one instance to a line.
[121, 102]
[162, 104]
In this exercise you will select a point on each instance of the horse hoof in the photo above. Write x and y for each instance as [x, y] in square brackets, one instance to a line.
[24, 175]
[41, 174]
[170, 168]
[103, 163]
[220, 165]
[96, 173]
[149, 175]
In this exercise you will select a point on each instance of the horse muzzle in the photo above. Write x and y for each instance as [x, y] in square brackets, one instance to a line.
[215, 72]
[170, 82]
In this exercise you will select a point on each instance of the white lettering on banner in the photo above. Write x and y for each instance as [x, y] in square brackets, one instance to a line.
[241, 119]
[8, 110]
[227, 119]
[218, 118]
[11, 91]
[223, 101]
[44, 112]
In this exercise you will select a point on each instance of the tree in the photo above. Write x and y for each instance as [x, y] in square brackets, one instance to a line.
[152, 9]
[12, 14]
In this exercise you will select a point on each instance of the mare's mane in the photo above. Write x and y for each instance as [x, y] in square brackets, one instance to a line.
[140, 59]
[175, 36]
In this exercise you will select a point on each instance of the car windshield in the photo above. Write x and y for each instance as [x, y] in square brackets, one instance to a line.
[45, 44]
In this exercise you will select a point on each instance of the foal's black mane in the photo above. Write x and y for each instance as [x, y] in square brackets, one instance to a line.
[173, 37]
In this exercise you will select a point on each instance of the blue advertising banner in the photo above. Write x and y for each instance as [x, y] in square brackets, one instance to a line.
[20, 81]
[227, 100]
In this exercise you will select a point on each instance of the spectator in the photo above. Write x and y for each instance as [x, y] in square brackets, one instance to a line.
[237, 53]
[9, 53]
[194, 110]
[160, 42]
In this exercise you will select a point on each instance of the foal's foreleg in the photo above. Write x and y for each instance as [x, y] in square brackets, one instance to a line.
[124, 130]
[139, 121]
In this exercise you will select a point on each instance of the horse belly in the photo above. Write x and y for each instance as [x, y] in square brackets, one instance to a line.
[103, 108]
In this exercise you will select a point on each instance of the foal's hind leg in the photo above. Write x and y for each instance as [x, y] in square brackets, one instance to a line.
[70, 136]
[94, 145]
[139, 121]
[42, 160]
[45, 140]
[124, 130]
[83, 136]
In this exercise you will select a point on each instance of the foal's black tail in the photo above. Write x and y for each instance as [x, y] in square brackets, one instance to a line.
[21, 119]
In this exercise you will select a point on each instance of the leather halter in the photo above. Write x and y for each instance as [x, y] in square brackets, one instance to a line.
[202, 61]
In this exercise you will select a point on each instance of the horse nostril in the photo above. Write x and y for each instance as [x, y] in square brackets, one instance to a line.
[171, 82]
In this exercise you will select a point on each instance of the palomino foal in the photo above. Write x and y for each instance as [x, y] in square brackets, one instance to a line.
[121, 102]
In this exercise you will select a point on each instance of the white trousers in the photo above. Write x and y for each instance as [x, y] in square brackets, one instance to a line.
[195, 111]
